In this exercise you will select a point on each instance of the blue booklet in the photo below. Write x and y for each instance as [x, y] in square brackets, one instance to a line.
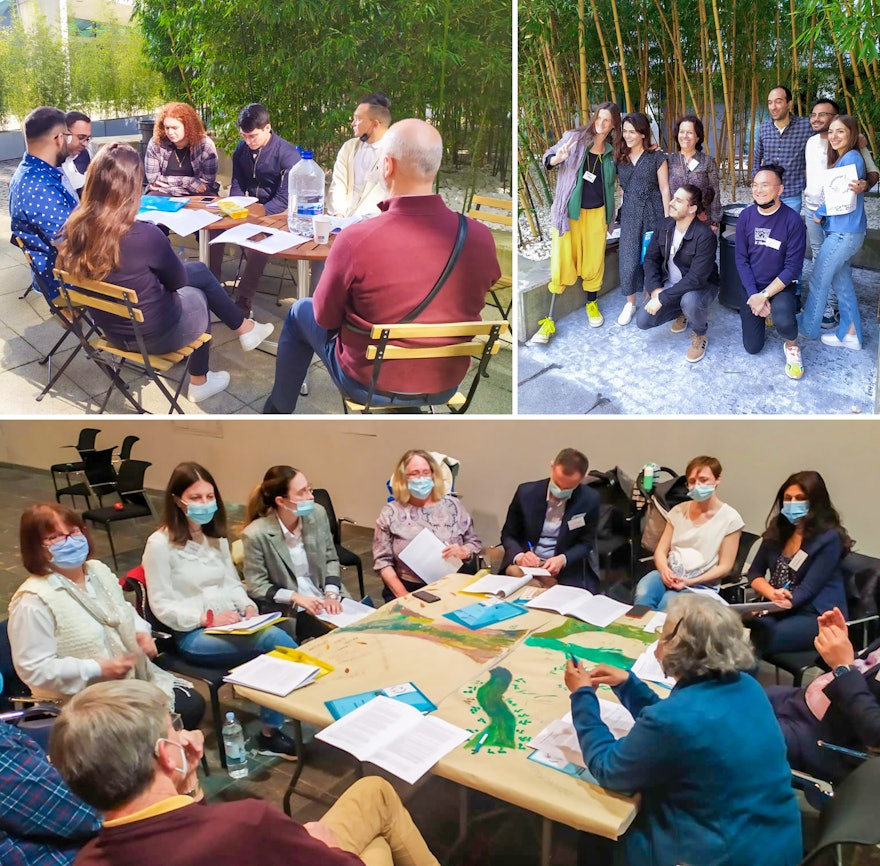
[485, 613]
[406, 693]
[162, 203]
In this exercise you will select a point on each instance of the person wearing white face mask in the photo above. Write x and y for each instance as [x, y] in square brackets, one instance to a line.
[798, 565]
[552, 524]
[69, 624]
[290, 560]
[699, 544]
[192, 585]
[420, 502]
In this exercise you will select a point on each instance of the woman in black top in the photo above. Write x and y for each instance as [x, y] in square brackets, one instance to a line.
[103, 241]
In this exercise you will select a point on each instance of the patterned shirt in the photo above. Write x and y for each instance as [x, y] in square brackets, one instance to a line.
[42, 823]
[786, 148]
[203, 156]
[39, 204]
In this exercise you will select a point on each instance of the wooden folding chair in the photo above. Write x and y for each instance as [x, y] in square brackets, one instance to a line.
[505, 218]
[113, 361]
[481, 342]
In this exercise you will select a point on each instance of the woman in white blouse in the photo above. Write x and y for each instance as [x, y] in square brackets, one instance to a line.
[192, 585]
[699, 544]
[69, 623]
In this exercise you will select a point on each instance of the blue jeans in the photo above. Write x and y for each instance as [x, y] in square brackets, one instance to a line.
[832, 270]
[754, 328]
[227, 651]
[695, 305]
[301, 338]
[651, 591]
[794, 202]
[815, 238]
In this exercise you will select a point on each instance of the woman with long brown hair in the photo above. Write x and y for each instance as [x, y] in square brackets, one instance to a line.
[582, 209]
[103, 241]
[798, 565]
[180, 159]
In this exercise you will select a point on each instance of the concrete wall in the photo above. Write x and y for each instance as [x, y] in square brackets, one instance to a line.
[353, 458]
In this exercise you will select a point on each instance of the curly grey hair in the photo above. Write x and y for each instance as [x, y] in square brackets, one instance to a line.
[704, 638]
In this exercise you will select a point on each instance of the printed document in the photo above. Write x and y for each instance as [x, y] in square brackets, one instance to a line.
[264, 239]
[352, 612]
[497, 584]
[599, 610]
[183, 222]
[273, 675]
[424, 555]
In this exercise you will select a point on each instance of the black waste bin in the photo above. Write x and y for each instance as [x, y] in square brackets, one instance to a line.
[731, 292]
[145, 128]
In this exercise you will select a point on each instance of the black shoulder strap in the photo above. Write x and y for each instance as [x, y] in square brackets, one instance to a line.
[450, 265]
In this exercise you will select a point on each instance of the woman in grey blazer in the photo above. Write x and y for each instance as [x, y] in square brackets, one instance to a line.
[290, 561]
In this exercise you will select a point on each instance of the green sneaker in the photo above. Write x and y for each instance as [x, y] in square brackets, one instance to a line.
[546, 330]
[594, 317]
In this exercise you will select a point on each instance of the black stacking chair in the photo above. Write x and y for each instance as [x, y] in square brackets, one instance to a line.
[100, 478]
[347, 558]
[86, 442]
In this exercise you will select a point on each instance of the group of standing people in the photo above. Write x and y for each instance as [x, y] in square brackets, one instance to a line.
[670, 215]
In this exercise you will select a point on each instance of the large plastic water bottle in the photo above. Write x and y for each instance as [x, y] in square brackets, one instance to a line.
[305, 186]
[233, 742]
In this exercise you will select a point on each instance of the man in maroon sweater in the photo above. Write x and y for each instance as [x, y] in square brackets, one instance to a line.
[378, 271]
[117, 747]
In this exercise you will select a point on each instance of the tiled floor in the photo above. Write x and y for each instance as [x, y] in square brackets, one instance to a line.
[511, 838]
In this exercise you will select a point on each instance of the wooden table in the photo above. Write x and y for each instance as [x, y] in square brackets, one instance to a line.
[408, 640]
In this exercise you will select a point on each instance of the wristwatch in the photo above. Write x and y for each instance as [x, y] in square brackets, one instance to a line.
[766, 294]
[840, 670]
[331, 592]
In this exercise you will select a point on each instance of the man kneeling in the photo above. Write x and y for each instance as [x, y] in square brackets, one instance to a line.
[680, 270]
[117, 747]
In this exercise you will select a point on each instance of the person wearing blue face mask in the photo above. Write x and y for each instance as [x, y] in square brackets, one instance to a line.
[192, 584]
[69, 623]
[420, 502]
[290, 560]
[699, 544]
[798, 565]
[551, 524]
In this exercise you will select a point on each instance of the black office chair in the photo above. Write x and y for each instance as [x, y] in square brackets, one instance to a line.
[127, 445]
[850, 817]
[347, 558]
[170, 660]
[862, 577]
[100, 478]
[86, 442]
[732, 588]
[133, 501]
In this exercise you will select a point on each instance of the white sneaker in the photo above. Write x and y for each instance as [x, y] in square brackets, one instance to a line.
[255, 336]
[627, 313]
[218, 380]
[850, 341]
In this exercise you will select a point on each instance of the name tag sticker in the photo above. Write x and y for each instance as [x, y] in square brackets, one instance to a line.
[694, 164]
[763, 239]
[797, 560]
[589, 177]
[577, 521]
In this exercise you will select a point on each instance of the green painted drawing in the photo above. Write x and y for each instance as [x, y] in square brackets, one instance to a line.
[481, 646]
[557, 639]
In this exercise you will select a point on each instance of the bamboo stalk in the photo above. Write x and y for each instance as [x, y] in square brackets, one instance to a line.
[582, 59]
[728, 116]
[620, 54]
[605, 57]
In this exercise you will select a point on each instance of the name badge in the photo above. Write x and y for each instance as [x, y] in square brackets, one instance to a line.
[694, 164]
[763, 239]
[577, 521]
[797, 560]
[589, 177]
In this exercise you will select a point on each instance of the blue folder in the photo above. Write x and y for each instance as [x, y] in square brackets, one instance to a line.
[485, 613]
[161, 202]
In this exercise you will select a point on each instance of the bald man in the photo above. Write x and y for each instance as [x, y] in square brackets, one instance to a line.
[380, 271]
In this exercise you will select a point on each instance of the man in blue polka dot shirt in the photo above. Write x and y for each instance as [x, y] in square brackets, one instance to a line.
[39, 200]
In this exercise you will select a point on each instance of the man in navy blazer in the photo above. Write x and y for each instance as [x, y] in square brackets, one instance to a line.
[680, 271]
[552, 524]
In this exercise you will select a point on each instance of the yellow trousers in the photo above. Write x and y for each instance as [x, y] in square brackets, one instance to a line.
[580, 252]
[369, 820]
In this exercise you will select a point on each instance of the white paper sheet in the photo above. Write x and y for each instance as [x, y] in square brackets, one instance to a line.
[239, 200]
[424, 556]
[655, 623]
[183, 222]
[248, 624]
[498, 584]
[352, 612]
[648, 668]
[534, 572]
[276, 240]
[839, 198]
[394, 736]
[273, 675]
[598, 610]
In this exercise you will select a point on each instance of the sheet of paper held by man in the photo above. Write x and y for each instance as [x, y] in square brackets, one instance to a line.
[264, 239]
[424, 555]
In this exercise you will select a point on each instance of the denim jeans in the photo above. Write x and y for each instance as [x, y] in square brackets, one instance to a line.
[301, 338]
[695, 305]
[782, 309]
[832, 270]
[815, 238]
[794, 202]
[651, 591]
[227, 651]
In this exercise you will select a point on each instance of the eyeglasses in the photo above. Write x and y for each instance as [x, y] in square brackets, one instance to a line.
[83, 139]
[420, 473]
[762, 186]
[299, 494]
[67, 136]
[673, 633]
[821, 114]
[176, 722]
[61, 536]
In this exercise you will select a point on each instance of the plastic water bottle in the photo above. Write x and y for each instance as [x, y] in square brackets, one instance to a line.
[233, 742]
[305, 185]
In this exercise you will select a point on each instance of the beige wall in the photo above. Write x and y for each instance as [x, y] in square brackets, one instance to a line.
[353, 458]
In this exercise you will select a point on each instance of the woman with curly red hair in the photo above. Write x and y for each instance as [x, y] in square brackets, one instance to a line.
[180, 158]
